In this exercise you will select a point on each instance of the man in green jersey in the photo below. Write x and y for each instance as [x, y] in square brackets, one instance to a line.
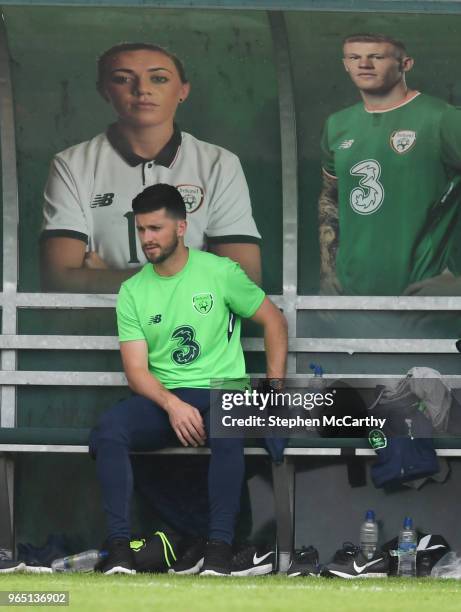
[179, 328]
[392, 181]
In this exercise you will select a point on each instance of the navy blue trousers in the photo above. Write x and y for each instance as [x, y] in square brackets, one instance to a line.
[138, 424]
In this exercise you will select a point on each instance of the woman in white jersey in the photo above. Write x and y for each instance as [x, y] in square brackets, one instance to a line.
[89, 242]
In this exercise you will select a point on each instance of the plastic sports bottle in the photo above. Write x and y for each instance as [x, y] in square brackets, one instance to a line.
[317, 381]
[407, 549]
[82, 562]
[317, 370]
[369, 535]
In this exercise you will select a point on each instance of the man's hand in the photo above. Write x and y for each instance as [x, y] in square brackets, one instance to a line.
[187, 422]
[442, 284]
[93, 261]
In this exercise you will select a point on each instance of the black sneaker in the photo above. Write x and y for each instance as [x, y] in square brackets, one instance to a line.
[56, 547]
[218, 559]
[249, 562]
[349, 562]
[119, 559]
[8, 566]
[191, 561]
[304, 563]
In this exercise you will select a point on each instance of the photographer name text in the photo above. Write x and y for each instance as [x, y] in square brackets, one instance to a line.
[299, 421]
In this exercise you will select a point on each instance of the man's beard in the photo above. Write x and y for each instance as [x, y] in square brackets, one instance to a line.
[164, 253]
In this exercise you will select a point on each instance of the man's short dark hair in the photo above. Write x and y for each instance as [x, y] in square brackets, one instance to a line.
[379, 38]
[160, 196]
[138, 46]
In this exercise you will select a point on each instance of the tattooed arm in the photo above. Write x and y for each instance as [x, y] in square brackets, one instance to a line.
[329, 236]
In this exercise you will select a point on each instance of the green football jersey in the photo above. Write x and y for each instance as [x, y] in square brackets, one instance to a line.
[399, 188]
[188, 320]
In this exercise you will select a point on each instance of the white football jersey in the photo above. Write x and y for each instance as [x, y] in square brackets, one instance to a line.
[91, 186]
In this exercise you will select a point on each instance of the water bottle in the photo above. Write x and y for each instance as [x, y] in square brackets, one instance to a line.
[83, 562]
[407, 549]
[316, 369]
[369, 535]
[317, 381]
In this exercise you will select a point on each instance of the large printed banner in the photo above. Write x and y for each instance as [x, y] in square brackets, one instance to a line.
[389, 219]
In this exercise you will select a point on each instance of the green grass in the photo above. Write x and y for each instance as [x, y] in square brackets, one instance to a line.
[268, 594]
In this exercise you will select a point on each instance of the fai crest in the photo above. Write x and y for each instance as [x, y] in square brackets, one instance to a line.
[203, 302]
[403, 140]
[377, 439]
[192, 196]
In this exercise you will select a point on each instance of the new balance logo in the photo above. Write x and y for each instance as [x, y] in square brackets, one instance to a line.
[346, 144]
[102, 199]
[155, 319]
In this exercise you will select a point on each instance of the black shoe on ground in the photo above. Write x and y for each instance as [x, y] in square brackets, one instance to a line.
[349, 562]
[119, 559]
[218, 559]
[191, 560]
[304, 563]
[250, 562]
[8, 566]
[56, 547]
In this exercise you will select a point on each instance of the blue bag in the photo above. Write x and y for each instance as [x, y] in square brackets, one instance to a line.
[404, 446]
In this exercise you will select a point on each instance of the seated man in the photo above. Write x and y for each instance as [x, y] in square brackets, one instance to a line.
[178, 332]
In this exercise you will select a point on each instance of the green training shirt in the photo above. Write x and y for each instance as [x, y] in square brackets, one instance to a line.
[399, 191]
[188, 320]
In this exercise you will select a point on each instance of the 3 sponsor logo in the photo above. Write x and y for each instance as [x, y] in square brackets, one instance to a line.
[369, 195]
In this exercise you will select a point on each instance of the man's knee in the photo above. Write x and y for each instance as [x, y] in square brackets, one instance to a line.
[110, 428]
